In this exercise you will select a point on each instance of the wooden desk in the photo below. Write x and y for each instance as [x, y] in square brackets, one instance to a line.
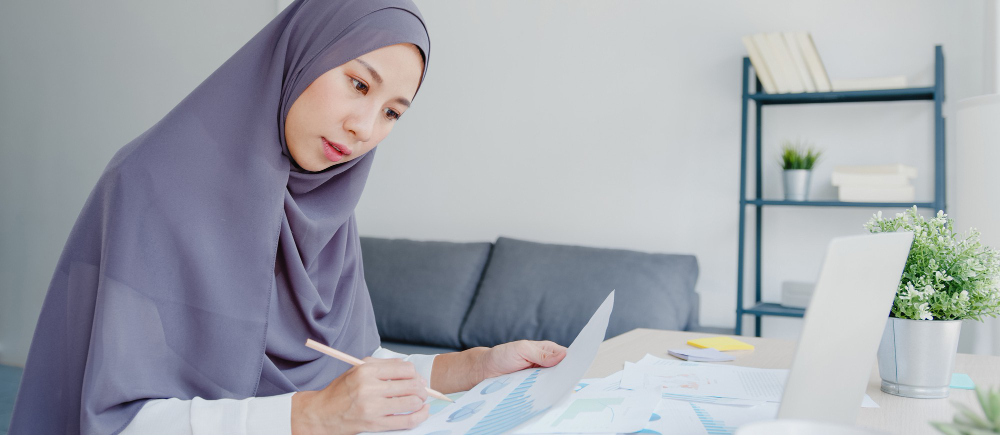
[895, 415]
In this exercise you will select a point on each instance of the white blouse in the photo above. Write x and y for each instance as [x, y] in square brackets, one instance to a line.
[255, 415]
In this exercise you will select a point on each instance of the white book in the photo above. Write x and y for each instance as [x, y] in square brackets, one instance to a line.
[759, 66]
[771, 59]
[850, 193]
[898, 168]
[874, 83]
[785, 62]
[799, 60]
[816, 69]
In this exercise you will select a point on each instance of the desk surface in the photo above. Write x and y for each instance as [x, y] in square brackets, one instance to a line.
[894, 415]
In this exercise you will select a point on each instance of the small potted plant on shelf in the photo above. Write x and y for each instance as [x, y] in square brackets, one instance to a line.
[947, 278]
[967, 422]
[797, 162]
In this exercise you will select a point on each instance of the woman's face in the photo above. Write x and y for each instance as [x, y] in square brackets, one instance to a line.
[348, 110]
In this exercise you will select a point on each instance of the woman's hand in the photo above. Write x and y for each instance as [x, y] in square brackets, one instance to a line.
[380, 395]
[519, 355]
[460, 371]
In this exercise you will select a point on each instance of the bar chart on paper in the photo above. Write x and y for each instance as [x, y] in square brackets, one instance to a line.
[512, 410]
[724, 419]
[502, 403]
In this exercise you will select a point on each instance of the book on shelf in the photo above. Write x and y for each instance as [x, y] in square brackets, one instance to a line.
[816, 68]
[800, 62]
[785, 63]
[788, 62]
[867, 84]
[759, 66]
[770, 62]
[861, 193]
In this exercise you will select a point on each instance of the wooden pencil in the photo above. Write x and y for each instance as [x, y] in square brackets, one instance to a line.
[310, 343]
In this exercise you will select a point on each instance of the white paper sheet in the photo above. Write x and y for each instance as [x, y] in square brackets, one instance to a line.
[722, 419]
[653, 361]
[702, 379]
[597, 411]
[501, 404]
[674, 417]
[609, 383]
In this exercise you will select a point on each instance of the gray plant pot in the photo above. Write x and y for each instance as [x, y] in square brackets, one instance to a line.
[916, 357]
[797, 184]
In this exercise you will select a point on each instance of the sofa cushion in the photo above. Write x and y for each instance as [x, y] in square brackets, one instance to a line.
[548, 292]
[421, 291]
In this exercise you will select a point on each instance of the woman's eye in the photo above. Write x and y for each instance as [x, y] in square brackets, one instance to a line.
[392, 114]
[359, 85]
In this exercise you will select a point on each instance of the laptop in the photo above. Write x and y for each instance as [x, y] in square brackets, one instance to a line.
[843, 327]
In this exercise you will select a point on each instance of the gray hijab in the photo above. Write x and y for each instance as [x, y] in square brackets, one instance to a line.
[205, 256]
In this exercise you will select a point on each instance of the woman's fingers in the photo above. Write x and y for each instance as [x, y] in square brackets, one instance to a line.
[400, 405]
[402, 388]
[388, 369]
[543, 353]
[406, 421]
[394, 394]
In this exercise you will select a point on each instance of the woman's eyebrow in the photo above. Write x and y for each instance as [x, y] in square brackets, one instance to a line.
[378, 79]
[371, 70]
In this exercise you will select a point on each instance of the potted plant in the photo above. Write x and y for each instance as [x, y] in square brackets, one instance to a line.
[797, 162]
[947, 278]
[967, 422]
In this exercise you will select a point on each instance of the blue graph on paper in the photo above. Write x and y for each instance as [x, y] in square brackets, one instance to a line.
[510, 412]
[713, 426]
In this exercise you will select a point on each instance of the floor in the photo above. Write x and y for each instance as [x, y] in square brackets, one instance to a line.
[10, 378]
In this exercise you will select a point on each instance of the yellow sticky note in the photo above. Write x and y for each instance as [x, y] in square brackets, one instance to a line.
[721, 343]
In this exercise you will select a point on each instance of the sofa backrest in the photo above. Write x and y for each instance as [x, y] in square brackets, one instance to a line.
[548, 292]
[438, 293]
[421, 291]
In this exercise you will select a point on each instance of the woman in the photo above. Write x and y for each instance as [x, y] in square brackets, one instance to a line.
[223, 237]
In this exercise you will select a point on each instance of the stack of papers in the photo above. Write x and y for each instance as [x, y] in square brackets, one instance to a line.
[701, 355]
[653, 395]
[499, 405]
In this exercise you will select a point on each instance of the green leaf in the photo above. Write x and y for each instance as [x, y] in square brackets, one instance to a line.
[970, 417]
[947, 428]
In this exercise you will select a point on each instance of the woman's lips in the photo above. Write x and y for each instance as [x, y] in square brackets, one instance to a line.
[335, 152]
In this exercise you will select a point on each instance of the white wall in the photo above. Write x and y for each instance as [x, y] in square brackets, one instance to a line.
[609, 124]
[618, 124]
[78, 80]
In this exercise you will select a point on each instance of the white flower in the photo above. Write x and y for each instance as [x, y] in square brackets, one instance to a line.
[941, 277]
[924, 314]
[964, 296]
[928, 290]
[878, 215]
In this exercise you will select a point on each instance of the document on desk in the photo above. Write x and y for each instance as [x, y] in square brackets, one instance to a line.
[501, 404]
[710, 383]
[701, 379]
[597, 411]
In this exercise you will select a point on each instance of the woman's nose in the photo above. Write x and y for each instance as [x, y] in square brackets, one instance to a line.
[361, 124]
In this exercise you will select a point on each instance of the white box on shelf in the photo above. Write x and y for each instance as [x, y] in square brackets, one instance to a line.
[873, 175]
[862, 193]
[796, 294]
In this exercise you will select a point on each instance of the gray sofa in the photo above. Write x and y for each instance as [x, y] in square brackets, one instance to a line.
[432, 297]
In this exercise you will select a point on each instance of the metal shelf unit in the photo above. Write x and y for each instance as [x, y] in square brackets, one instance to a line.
[760, 99]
